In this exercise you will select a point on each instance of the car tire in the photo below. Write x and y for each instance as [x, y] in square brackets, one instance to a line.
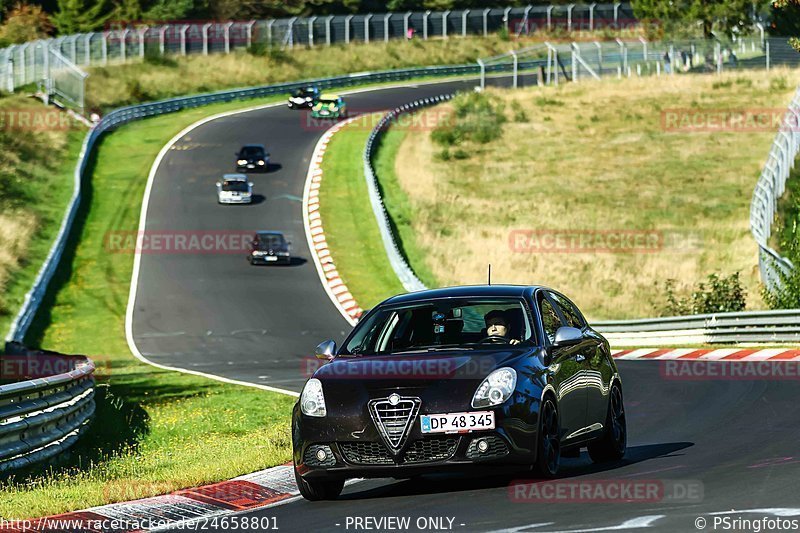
[317, 490]
[548, 447]
[612, 444]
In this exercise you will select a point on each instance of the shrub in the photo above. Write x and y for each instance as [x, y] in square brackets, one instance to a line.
[478, 118]
[24, 23]
[717, 294]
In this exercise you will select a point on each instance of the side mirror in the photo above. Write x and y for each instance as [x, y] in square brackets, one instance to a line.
[219, 184]
[567, 336]
[326, 350]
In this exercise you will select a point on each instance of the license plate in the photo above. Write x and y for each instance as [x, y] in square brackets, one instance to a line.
[457, 422]
[271, 258]
[251, 166]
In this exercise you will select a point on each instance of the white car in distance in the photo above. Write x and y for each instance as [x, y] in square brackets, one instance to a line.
[234, 189]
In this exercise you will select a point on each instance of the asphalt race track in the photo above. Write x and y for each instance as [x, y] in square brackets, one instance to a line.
[213, 312]
[718, 444]
[731, 444]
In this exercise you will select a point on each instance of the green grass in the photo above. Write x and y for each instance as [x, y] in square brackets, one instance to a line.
[397, 203]
[626, 173]
[36, 167]
[350, 226]
[155, 431]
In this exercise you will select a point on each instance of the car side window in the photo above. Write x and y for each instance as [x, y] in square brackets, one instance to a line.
[550, 320]
[569, 311]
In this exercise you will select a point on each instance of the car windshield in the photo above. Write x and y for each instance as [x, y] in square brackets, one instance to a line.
[267, 242]
[328, 102]
[235, 186]
[303, 92]
[439, 324]
[252, 151]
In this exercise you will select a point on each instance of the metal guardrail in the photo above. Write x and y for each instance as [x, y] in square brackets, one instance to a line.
[124, 115]
[770, 186]
[42, 417]
[399, 265]
[778, 327]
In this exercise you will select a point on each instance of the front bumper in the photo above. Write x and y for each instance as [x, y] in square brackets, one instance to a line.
[253, 167]
[262, 260]
[512, 443]
[331, 115]
[236, 200]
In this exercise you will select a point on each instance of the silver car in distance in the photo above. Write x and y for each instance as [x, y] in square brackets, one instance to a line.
[234, 189]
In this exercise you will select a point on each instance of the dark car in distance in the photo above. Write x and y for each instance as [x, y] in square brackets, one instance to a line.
[453, 379]
[269, 247]
[252, 158]
[304, 98]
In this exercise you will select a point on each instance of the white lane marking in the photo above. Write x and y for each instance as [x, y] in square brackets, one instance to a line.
[775, 511]
[143, 224]
[520, 528]
[633, 523]
[137, 258]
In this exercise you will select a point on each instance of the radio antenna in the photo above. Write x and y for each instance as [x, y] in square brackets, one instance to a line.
[490, 273]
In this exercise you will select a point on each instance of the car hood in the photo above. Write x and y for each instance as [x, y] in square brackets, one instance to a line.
[444, 381]
[419, 371]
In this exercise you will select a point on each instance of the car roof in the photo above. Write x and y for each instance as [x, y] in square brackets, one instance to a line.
[329, 97]
[268, 233]
[254, 146]
[234, 177]
[469, 291]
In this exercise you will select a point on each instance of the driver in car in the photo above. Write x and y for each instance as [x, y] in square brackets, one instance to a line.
[497, 325]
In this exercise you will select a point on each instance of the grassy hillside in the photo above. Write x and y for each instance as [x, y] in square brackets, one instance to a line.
[39, 149]
[160, 77]
[597, 160]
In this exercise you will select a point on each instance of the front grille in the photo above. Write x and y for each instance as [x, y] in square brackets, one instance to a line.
[394, 421]
[497, 448]
[425, 450]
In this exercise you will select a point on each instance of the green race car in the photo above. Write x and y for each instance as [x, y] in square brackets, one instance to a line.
[329, 106]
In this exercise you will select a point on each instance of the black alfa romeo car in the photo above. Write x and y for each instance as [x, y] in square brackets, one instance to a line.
[451, 379]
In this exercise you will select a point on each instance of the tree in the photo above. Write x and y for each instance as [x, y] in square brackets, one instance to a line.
[24, 23]
[75, 16]
[794, 7]
[679, 16]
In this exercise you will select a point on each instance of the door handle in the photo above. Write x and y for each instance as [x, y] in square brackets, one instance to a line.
[580, 358]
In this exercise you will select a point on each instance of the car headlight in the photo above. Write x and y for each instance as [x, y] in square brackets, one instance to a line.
[241, 162]
[312, 401]
[496, 388]
[261, 162]
[334, 108]
[308, 98]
